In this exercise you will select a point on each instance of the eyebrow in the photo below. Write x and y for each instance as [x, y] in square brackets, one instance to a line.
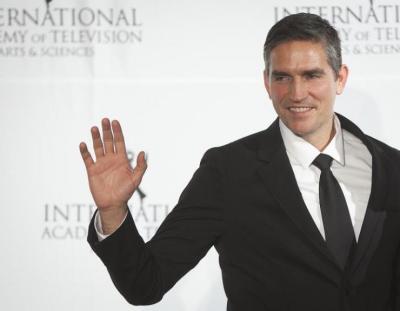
[276, 73]
[318, 71]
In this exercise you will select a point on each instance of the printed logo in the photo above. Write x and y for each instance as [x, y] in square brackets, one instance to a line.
[69, 221]
[365, 27]
[59, 32]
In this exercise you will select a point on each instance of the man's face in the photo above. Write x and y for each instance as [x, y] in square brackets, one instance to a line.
[303, 87]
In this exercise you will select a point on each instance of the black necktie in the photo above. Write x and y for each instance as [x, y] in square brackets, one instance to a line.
[339, 232]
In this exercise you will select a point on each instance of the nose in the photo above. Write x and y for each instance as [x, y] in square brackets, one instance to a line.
[298, 90]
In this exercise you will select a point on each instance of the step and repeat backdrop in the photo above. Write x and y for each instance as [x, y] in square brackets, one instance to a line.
[181, 76]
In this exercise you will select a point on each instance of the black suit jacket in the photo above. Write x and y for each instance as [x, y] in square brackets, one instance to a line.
[244, 201]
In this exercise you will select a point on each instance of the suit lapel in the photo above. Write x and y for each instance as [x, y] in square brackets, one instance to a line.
[375, 214]
[277, 174]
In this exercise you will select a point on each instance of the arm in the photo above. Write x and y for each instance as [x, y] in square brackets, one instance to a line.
[144, 272]
[112, 180]
[99, 228]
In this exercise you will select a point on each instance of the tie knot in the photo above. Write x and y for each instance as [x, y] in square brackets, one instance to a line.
[323, 161]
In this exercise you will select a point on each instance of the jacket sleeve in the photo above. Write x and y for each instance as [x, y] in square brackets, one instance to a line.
[144, 272]
[393, 183]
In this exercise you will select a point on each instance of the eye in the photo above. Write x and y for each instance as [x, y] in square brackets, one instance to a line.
[281, 78]
[313, 75]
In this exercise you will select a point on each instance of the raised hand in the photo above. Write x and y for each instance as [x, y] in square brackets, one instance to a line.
[112, 180]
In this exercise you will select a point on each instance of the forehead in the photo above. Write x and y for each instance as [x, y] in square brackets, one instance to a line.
[298, 55]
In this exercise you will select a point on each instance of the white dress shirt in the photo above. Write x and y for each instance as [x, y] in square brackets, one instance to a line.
[99, 229]
[351, 166]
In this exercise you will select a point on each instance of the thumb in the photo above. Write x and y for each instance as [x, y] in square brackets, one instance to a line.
[141, 161]
[140, 168]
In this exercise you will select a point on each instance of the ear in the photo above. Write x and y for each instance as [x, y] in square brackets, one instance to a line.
[341, 79]
[267, 82]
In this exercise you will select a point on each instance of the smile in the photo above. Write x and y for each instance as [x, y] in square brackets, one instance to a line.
[300, 109]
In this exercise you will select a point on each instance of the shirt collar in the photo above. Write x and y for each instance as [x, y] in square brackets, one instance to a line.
[304, 153]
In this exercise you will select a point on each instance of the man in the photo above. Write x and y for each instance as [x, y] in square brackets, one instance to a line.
[304, 215]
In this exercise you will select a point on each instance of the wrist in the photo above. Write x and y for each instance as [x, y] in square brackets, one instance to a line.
[111, 218]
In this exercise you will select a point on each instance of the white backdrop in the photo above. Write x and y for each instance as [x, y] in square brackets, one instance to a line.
[181, 76]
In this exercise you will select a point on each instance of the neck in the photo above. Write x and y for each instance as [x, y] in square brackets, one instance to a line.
[321, 141]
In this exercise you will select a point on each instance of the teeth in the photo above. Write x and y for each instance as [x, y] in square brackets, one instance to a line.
[300, 109]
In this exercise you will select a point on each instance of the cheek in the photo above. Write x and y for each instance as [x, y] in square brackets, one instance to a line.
[278, 93]
[323, 91]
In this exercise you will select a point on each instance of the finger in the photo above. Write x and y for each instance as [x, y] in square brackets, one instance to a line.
[118, 137]
[97, 143]
[141, 161]
[107, 136]
[140, 168]
[87, 158]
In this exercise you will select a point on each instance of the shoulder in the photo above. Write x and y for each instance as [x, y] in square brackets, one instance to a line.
[384, 149]
[243, 147]
[387, 158]
[380, 147]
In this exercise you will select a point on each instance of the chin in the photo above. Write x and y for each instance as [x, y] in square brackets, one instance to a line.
[300, 129]
[301, 134]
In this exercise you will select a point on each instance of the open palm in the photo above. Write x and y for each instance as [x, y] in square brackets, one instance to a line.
[112, 180]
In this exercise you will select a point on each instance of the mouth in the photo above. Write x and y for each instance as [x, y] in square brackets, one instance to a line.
[302, 109]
